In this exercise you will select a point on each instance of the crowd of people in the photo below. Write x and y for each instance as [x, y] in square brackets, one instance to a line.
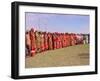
[39, 41]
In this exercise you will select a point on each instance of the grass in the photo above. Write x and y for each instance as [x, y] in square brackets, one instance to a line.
[68, 56]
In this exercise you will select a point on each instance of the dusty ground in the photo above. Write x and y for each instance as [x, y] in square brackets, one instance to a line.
[69, 56]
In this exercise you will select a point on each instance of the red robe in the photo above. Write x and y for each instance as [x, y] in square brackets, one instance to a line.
[33, 45]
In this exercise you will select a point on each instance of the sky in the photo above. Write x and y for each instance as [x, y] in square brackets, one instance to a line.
[71, 23]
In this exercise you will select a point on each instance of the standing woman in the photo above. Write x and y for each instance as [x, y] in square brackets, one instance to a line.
[60, 38]
[42, 41]
[50, 41]
[54, 41]
[27, 43]
[67, 44]
[46, 41]
[72, 39]
[33, 43]
[38, 41]
[57, 40]
[64, 40]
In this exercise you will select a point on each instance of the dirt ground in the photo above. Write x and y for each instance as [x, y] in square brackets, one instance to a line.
[68, 56]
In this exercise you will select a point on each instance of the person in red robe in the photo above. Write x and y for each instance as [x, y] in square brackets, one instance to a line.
[42, 41]
[27, 43]
[72, 39]
[33, 44]
[50, 41]
[46, 41]
[75, 38]
[60, 40]
[55, 40]
[67, 41]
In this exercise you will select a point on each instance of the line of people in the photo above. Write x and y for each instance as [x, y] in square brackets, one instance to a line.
[38, 41]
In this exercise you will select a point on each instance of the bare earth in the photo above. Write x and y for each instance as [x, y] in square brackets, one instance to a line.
[68, 56]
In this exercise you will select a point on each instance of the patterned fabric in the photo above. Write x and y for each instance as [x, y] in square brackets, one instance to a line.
[38, 41]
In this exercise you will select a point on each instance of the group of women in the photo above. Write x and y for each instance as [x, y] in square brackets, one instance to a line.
[38, 41]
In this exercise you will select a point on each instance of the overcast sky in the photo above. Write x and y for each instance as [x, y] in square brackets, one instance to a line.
[58, 22]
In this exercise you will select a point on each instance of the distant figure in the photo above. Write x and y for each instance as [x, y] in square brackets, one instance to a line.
[27, 43]
[54, 41]
[38, 41]
[33, 43]
[79, 38]
[60, 40]
[67, 40]
[45, 41]
[42, 41]
[86, 38]
[57, 39]
[50, 41]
